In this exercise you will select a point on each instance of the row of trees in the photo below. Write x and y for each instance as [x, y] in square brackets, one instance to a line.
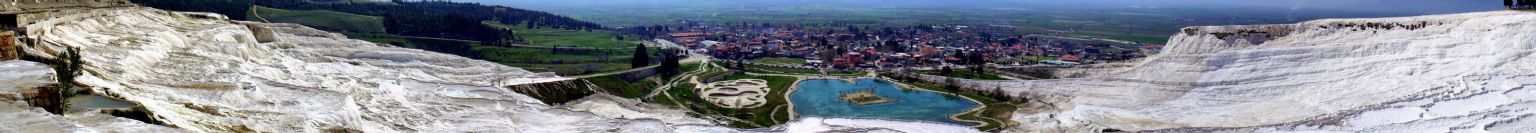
[951, 85]
[648, 31]
[669, 60]
[1520, 4]
[235, 9]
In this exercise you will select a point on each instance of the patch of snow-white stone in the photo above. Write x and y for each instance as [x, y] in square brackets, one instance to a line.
[204, 73]
[1456, 72]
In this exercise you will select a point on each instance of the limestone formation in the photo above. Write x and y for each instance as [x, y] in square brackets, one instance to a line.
[741, 93]
[204, 73]
[1456, 72]
[15, 6]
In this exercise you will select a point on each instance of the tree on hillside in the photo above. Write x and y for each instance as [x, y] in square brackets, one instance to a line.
[1508, 3]
[641, 58]
[976, 61]
[741, 64]
[946, 71]
[669, 60]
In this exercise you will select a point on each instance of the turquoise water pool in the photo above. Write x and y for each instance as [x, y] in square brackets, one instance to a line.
[819, 97]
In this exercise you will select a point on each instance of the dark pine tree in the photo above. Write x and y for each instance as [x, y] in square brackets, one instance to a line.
[945, 71]
[669, 60]
[1516, 4]
[740, 64]
[640, 59]
[977, 62]
[1508, 3]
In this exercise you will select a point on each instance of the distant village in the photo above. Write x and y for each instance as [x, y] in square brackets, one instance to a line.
[892, 47]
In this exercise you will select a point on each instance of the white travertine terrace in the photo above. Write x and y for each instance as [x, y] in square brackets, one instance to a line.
[1456, 72]
[204, 73]
[741, 93]
[1472, 72]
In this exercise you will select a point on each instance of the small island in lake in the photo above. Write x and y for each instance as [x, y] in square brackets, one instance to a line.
[864, 97]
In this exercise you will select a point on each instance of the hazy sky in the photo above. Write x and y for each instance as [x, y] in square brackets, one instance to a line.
[1379, 6]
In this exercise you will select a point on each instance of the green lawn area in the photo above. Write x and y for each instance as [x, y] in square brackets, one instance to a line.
[320, 19]
[544, 60]
[687, 67]
[618, 87]
[795, 71]
[562, 63]
[370, 28]
[998, 110]
[764, 116]
[680, 91]
[568, 38]
[761, 115]
[780, 60]
[1133, 38]
[967, 74]
[1037, 58]
[714, 72]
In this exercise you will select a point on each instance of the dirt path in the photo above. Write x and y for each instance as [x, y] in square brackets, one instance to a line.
[258, 15]
[774, 116]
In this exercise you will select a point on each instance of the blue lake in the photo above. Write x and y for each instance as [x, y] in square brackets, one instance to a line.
[820, 97]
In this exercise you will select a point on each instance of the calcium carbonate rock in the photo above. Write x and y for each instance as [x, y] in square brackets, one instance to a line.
[18, 115]
[36, 5]
[204, 73]
[1457, 72]
[23, 76]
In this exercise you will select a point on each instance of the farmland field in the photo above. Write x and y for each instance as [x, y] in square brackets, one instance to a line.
[1140, 24]
[548, 60]
[320, 19]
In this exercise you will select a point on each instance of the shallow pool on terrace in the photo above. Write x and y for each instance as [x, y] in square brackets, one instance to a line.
[820, 97]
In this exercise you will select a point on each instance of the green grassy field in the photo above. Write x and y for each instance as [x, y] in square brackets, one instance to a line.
[774, 112]
[762, 115]
[1144, 25]
[320, 19]
[688, 66]
[780, 60]
[676, 96]
[797, 71]
[546, 60]
[967, 74]
[618, 87]
[1037, 58]
[569, 38]
[996, 114]
[612, 55]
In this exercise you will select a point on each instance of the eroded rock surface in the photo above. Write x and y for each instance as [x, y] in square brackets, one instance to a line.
[204, 73]
[1457, 72]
